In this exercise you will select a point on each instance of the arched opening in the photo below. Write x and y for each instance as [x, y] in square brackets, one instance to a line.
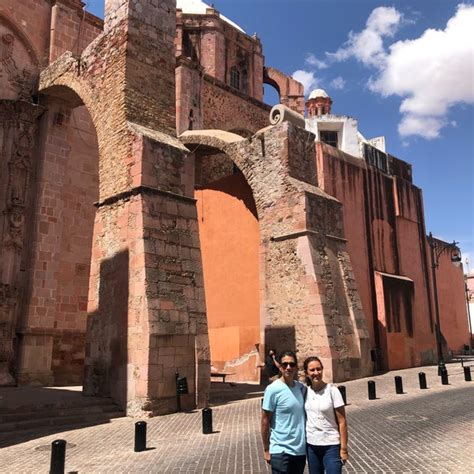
[271, 94]
[229, 240]
[61, 232]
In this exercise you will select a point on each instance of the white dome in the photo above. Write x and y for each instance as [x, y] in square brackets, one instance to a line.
[196, 7]
[318, 93]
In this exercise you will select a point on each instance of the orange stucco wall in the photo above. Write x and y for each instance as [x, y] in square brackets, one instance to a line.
[229, 235]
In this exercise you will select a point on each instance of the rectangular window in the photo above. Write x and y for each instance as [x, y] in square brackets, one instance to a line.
[235, 78]
[328, 137]
[376, 158]
[398, 296]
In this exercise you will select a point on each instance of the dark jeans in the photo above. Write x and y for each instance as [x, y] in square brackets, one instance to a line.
[287, 464]
[324, 459]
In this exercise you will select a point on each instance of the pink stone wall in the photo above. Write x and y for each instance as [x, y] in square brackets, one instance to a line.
[452, 303]
[384, 224]
[225, 110]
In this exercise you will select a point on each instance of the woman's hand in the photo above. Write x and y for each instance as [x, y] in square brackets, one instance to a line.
[267, 456]
[344, 455]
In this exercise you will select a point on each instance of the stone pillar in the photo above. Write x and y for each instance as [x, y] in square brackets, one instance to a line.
[17, 132]
[146, 299]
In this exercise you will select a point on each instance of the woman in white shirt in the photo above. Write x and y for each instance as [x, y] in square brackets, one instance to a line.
[326, 426]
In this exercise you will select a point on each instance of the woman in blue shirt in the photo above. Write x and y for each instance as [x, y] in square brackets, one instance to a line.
[283, 419]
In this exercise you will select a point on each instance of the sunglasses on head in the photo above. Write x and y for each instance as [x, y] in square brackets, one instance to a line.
[288, 364]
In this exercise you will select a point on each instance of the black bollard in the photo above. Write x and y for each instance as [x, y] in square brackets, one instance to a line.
[371, 387]
[342, 389]
[422, 379]
[467, 373]
[398, 385]
[140, 436]
[58, 456]
[207, 421]
[444, 377]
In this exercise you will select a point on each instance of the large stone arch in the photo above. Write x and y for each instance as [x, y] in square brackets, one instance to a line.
[309, 299]
[291, 91]
[146, 304]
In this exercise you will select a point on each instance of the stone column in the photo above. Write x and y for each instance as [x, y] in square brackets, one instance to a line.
[18, 137]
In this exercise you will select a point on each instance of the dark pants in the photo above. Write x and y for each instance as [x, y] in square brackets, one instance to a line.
[287, 464]
[324, 459]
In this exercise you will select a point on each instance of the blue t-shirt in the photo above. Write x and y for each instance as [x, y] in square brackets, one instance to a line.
[287, 424]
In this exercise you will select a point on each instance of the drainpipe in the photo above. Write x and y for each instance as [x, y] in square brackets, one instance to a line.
[52, 32]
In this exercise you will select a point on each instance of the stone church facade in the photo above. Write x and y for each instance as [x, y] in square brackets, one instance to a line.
[153, 222]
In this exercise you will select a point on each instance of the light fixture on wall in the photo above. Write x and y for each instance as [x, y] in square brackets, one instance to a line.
[437, 248]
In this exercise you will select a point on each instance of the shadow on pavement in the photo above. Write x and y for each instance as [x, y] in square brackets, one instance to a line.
[28, 413]
[224, 393]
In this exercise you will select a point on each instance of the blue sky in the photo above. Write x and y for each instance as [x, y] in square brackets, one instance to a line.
[404, 69]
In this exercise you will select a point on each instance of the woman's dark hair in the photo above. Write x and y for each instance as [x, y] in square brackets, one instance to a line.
[308, 361]
[287, 354]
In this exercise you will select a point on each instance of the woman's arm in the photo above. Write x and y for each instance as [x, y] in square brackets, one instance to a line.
[265, 429]
[342, 422]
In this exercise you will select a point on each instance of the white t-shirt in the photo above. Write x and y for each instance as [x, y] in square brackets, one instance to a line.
[321, 423]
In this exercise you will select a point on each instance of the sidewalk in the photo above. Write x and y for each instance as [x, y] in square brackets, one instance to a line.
[419, 431]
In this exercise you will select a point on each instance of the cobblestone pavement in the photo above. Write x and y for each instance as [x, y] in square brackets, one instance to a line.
[429, 431]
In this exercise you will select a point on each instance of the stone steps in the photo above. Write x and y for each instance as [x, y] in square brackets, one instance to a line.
[83, 412]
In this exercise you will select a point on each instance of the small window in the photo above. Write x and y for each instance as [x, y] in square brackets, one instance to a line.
[328, 137]
[235, 78]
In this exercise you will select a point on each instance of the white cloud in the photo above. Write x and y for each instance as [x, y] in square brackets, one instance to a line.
[312, 60]
[307, 78]
[338, 83]
[432, 73]
[426, 127]
[367, 45]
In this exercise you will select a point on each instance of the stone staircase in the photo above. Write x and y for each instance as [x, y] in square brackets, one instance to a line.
[34, 420]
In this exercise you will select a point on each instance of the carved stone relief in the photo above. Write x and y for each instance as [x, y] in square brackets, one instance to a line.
[18, 126]
[17, 73]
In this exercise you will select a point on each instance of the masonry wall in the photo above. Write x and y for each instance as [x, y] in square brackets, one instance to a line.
[225, 110]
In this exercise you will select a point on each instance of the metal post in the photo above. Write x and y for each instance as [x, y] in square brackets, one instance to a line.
[444, 377]
[140, 436]
[58, 456]
[422, 379]
[207, 421]
[342, 389]
[178, 399]
[371, 389]
[398, 385]
[467, 373]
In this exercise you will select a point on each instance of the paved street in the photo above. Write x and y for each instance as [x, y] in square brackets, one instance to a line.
[428, 431]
